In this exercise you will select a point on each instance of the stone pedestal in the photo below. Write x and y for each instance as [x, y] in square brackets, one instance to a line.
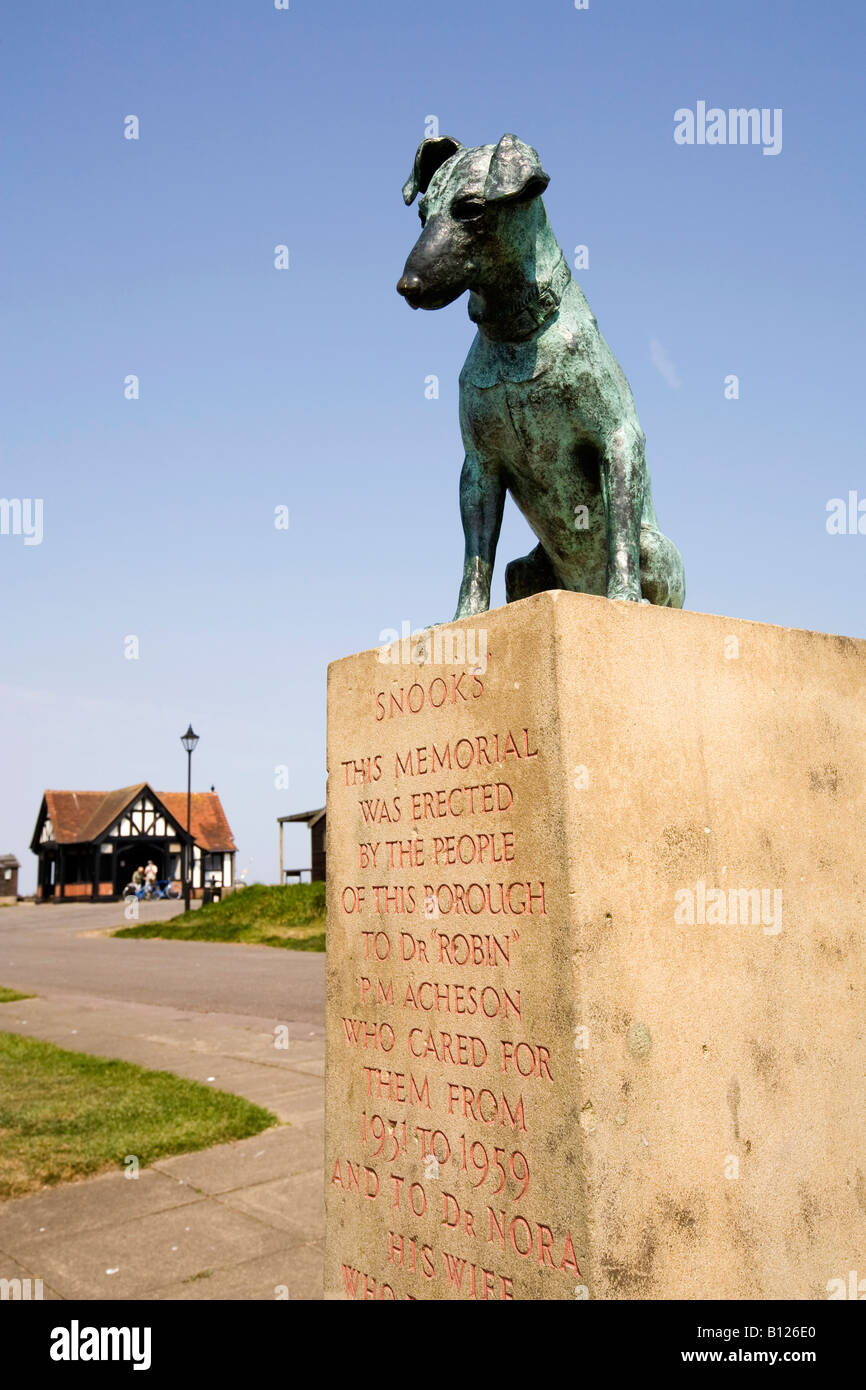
[596, 1021]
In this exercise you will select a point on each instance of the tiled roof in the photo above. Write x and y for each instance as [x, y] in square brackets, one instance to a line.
[209, 825]
[79, 817]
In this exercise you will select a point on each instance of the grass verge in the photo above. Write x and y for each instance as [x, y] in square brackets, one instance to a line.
[292, 917]
[66, 1115]
[8, 996]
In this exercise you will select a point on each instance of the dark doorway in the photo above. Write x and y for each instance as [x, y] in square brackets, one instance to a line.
[129, 857]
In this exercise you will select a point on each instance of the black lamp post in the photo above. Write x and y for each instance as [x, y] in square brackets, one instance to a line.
[189, 741]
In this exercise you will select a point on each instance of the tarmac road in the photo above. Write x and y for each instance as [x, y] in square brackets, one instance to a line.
[49, 947]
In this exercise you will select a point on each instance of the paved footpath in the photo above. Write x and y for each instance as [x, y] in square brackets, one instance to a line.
[237, 1221]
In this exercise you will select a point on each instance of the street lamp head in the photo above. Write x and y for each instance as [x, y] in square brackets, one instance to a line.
[189, 739]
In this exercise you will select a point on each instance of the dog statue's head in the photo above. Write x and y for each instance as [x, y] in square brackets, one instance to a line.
[468, 198]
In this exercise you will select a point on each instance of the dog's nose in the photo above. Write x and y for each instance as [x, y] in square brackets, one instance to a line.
[409, 286]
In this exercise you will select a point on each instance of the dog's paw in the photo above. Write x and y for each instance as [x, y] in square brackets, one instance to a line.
[626, 596]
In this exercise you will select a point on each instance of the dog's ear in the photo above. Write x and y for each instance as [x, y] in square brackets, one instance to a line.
[515, 173]
[430, 156]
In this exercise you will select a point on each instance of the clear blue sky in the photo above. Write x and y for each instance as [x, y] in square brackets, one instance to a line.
[305, 387]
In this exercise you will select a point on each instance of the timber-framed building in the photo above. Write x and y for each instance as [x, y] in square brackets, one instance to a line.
[89, 844]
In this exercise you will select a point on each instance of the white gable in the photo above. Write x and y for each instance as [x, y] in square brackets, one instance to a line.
[144, 818]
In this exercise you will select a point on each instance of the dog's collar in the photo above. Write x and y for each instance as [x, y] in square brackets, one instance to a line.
[517, 326]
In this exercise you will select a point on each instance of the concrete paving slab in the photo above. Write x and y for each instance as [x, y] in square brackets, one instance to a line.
[29, 1223]
[37, 1290]
[294, 1273]
[296, 1205]
[165, 1248]
[303, 1107]
[278, 1153]
[316, 1068]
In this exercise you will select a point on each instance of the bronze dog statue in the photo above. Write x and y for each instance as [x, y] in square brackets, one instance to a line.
[545, 409]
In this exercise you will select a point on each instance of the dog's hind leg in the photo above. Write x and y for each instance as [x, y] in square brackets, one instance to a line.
[531, 574]
[662, 574]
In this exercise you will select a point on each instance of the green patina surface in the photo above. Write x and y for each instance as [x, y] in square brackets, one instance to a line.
[546, 411]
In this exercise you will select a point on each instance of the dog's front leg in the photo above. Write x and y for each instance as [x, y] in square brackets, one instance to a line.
[482, 499]
[623, 475]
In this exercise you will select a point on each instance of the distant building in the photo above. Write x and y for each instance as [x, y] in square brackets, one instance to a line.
[9, 867]
[89, 844]
[316, 821]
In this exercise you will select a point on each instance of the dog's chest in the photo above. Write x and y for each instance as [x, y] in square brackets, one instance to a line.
[519, 397]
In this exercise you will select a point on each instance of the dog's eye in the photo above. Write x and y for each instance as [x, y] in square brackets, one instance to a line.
[467, 209]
